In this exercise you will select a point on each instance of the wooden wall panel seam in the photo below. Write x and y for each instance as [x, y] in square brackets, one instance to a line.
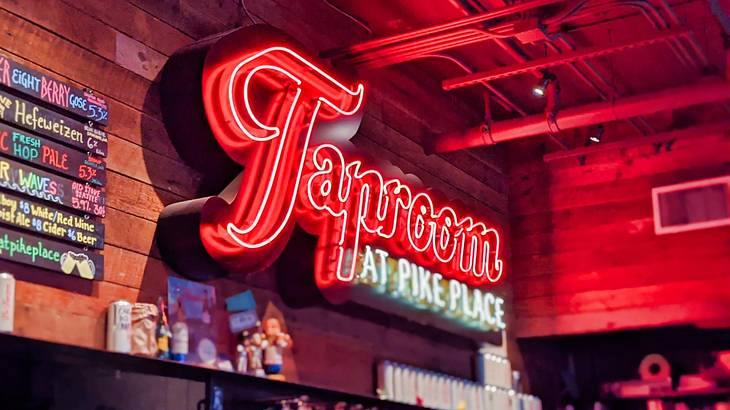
[131, 81]
[113, 103]
[128, 31]
[75, 41]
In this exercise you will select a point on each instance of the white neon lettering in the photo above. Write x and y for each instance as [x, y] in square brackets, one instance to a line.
[368, 265]
[438, 290]
[465, 305]
[383, 264]
[415, 269]
[454, 294]
[424, 280]
[298, 178]
[428, 290]
[477, 310]
[235, 231]
[404, 273]
[463, 245]
[499, 312]
[488, 303]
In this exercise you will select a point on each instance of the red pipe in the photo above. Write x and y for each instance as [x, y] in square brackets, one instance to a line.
[393, 55]
[440, 28]
[711, 90]
[502, 99]
[556, 60]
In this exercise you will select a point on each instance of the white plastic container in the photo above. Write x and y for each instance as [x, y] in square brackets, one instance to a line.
[119, 327]
[7, 302]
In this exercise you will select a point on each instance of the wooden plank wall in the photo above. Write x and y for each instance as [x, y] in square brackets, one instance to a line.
[117, 47]
[585, 256]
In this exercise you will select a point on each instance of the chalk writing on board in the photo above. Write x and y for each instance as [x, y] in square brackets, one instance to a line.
[88, 199]
[36, 218]
[51, 124]
[83, 103]
[52, 188]
[56, 157]
[49, 254]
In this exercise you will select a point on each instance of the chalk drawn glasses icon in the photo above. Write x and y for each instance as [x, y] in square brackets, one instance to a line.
[79, 261]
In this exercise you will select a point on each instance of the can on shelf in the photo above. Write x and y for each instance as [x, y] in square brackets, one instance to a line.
[119, 327]
[7, 302]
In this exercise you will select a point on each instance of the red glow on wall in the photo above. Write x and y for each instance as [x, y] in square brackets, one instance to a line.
[264, 106]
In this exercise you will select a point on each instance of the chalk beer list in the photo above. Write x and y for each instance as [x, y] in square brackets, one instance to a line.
[51, 156]
[34, 216]
[47, 123]
[26, 80]
[52, 173]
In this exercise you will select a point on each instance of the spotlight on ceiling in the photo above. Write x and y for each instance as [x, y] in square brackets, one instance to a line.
[596, 138]
[540, 88]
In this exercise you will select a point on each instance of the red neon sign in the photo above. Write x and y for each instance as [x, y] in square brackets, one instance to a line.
[263, 106]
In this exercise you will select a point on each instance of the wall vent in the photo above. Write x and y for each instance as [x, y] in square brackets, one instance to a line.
[691, 205]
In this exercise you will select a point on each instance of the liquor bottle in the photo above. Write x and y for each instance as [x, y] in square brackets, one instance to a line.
[180, 336]
[163, 332]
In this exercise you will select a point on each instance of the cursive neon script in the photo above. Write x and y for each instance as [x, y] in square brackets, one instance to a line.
[289, 178]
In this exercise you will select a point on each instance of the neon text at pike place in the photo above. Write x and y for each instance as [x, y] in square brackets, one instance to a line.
[288, 178]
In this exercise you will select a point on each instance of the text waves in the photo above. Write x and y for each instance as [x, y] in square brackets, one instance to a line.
[51, 124]
[370, 208]
[49, 254]
[58, 93]
[55, 157]
[51, 188]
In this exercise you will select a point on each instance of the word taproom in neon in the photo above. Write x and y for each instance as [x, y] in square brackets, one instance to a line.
[285, 120]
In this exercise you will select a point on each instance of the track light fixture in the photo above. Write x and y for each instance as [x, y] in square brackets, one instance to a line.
[596, 138]
[540, 89]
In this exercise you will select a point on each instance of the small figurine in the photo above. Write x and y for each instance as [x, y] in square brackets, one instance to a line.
[241, 359]
[255, 345]
[277, 341]
[242, 355]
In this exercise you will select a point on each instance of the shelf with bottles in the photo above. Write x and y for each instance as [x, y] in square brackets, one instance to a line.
[25, 358]
[411, 385]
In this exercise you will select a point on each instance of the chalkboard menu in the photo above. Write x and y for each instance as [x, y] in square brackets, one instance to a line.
[24, 146]
[47, 123]
[52, 172]
[66, 96]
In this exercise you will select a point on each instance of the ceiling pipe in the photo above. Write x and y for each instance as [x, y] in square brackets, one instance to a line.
[721, 15]
[599, 83]
[724, 19]
[691, 39]
[558, 59]
[440, 28]
[501, 99]
[707, 91]
[713, 128]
